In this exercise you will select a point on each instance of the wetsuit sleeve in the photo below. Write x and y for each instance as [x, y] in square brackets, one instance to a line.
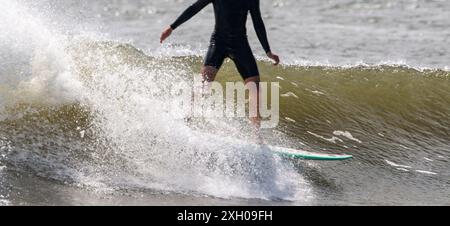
[190, 12]
[258, 23]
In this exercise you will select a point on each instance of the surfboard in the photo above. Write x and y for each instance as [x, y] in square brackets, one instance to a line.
[306, 155]
[280, 151]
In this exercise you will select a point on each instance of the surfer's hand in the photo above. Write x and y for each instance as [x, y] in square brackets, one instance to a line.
[166, 33]
[274, 57]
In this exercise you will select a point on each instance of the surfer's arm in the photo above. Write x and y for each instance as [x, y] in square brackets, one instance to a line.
[190, 12]
[258, 23]
[260, 29]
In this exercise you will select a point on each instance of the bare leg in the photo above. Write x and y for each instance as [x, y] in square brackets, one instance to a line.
[209, 74]
[202, 87]
[254, 101]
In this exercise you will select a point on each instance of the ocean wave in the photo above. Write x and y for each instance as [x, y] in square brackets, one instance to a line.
[95, 113]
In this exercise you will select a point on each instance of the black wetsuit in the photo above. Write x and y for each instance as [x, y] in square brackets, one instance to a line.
[229, 38]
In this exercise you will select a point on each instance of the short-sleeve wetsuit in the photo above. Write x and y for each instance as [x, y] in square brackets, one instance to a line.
[229, 38]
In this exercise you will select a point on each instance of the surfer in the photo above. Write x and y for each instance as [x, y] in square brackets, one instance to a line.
[229, 39]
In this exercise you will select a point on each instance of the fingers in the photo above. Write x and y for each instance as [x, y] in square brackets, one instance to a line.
[276, 59]
[163, 37]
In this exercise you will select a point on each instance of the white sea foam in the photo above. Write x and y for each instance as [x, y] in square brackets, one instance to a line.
[426, 172]
[289, 94]
[332, 139]
[290, 120]
[346, 134]
[397, 165]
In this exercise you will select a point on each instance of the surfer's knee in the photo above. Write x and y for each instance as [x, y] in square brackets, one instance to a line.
[253, 80]
[209, 73]
[252, 84]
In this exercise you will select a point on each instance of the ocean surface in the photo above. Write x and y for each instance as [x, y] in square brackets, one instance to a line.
[85, 119]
